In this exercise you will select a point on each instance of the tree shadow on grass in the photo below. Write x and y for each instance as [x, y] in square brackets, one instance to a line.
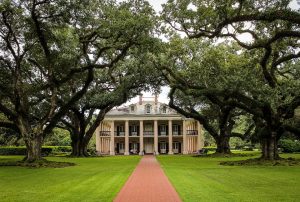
[43, 163]
[262, 162]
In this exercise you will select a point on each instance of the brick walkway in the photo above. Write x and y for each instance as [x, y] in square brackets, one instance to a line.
[148, 183]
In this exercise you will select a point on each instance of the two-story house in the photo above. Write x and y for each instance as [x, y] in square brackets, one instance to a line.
[148, 127]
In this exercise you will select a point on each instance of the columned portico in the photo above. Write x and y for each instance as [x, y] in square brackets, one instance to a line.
[141, 138]
[126, 138]
[155, 138]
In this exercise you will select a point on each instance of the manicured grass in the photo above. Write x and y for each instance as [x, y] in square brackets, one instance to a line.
[92, 179]
[203, 179]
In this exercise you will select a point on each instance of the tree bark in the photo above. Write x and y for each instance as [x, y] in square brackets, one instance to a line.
[269, 147]
[223, 145]
[34, 147]
[79, 148]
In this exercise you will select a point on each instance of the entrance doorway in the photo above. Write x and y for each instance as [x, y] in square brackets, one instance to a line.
[149, 145]
[121, 147]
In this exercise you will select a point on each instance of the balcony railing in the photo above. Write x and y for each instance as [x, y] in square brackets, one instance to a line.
[104, 133]
[192, 132]
[133, 133]
[162, 133]
[119, 133]
[148, 133]
[177, 133]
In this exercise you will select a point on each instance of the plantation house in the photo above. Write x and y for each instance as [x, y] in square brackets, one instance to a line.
[148, 127]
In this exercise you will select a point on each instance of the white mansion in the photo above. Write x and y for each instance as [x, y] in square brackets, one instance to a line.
[148, 127]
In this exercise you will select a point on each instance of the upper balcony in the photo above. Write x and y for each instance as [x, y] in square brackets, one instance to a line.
[148, 133]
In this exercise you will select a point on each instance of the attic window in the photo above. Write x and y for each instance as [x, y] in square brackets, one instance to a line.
[164, 110]
[148, 109]
[132, 108]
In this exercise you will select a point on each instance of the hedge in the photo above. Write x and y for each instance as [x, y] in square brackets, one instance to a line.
[289, 146]
[212, 149]
[46, 150]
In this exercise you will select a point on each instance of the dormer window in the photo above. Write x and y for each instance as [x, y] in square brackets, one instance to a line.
[148, 109]
[132, 108]
[164, 110]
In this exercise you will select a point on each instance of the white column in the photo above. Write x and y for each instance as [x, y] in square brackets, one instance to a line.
[184, 137]
[141, 138]
[170, 137]
[126, 137]
[200, 138]
[98, 139]
[155, 138]
[112, 138]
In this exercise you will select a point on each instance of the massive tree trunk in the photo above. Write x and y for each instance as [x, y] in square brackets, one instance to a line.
[79, 148]
[34, 147]
[269, 147]
[33, 138]
[223, 145]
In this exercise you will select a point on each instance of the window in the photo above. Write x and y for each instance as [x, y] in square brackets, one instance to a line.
[175, 128]
[148, 109]
[134, 128]
[121, 128]
[164, 110]
[132, 108]
[163, 128]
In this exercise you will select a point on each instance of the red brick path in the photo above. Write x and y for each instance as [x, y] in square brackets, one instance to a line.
[147, 183]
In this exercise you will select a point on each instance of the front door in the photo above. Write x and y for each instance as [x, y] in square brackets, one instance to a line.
[121, 148]
[148, 148]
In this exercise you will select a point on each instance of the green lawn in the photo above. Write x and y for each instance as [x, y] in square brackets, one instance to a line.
[203, 179]
[92, 179]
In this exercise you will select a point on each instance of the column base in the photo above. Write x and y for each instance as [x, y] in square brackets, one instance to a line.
[170, 153]
[126, 153]
[112, 153]
[184, 152]
[141, 153]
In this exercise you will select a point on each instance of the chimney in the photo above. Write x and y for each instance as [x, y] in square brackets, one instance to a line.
[141, 99]
[156, 99]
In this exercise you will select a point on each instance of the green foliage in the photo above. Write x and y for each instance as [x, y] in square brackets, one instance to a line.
[58, 137]
[289, 146]
[46, 150]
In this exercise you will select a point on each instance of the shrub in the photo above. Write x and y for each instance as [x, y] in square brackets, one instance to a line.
[289, 146]
[212, 149]
[46, 150]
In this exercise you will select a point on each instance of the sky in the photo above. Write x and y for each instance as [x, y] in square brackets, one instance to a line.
[163, 96]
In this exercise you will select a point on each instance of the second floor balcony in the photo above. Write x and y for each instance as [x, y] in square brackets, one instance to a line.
[148, 133]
